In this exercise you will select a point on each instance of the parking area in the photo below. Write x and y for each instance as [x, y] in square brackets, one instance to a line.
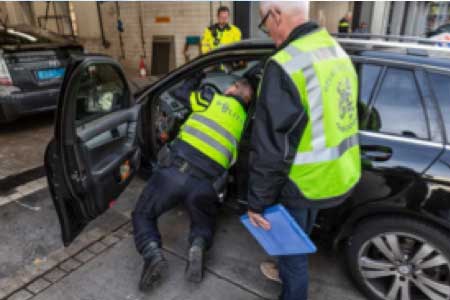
[103, 263]
[205, 96]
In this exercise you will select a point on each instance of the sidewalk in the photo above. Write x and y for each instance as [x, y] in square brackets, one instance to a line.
[110, 268]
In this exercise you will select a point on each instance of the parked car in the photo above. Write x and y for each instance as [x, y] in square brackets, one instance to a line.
[395, 228]
[32, 64]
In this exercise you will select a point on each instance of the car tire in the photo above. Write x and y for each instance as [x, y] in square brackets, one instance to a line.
[396, 257]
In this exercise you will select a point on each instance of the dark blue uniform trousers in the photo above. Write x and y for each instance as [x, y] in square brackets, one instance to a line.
[167, 188]
[293, 269]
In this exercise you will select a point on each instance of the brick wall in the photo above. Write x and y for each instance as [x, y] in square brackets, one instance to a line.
[186, 18]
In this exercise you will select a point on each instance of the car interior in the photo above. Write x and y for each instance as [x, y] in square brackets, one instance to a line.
[169, 114]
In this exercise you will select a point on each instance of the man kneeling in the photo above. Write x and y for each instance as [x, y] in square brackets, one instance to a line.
[203, 151]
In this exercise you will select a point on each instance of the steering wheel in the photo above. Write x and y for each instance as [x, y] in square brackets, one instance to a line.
[211, 86]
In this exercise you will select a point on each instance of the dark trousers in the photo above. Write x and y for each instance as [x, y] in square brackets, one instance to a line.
[294, 268]
[167, 188]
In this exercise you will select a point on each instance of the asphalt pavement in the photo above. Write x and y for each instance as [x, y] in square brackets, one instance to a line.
[103, 264]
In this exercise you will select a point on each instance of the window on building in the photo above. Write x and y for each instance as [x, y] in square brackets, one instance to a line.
[441, 88]
[398, 107]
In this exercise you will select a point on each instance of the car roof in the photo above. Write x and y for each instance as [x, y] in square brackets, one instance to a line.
[407, 58]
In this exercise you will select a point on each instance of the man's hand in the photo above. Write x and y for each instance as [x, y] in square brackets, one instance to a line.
[258, 220]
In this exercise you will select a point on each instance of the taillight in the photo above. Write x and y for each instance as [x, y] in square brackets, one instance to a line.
[5, 77]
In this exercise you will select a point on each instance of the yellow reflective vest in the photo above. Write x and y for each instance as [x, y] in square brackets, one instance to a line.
[214, 37]
[327, 163]
[216, 129]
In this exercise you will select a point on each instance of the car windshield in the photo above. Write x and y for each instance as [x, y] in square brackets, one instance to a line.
[26, 35]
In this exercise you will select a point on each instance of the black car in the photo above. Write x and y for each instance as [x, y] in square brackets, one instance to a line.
[395, 228]
[32, 65]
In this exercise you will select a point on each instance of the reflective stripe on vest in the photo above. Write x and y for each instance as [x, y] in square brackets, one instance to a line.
[305, 61]
[217, 127]
[209, 140]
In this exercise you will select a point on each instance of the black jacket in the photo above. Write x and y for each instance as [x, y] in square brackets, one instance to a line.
[280, 120]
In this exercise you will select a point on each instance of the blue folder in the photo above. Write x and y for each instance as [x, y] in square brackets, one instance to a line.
[285, 237]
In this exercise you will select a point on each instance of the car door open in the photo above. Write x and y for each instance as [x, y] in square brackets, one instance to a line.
[95, 152]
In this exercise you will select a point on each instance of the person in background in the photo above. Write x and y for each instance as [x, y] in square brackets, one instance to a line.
[362, 28]
[345, 24]
[304, 150]
[221, 33]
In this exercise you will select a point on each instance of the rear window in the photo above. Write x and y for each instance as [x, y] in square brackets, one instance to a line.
[441, 87]
[398, 107]
[17, 37]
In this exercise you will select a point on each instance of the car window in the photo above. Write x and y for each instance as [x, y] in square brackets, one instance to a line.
[398, 107]
[368, 75]
[101, 91]
[441, 88]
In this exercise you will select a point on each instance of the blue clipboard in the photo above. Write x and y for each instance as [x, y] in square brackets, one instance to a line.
[285, 237]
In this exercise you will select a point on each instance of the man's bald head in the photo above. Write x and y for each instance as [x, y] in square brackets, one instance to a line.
[280, 18]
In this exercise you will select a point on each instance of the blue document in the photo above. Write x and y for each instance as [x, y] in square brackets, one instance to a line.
[285, 237]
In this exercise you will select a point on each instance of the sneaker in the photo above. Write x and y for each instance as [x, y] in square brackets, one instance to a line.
[270, 271]
[155, 269]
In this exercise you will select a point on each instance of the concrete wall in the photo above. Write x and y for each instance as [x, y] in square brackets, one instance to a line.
[186, 18]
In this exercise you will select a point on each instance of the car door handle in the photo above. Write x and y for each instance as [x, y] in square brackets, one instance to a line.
[376, 152]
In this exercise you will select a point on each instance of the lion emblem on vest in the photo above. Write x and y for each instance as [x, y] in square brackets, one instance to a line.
[347, 111]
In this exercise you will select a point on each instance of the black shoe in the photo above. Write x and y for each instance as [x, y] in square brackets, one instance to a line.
[155, 269]
[194, 270]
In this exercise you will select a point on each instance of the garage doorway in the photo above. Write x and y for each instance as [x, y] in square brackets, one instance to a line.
[163, 54]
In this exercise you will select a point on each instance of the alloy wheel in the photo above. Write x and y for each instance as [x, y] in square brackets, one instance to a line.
[403, 266]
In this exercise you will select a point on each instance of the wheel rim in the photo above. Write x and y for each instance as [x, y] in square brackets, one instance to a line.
[403, 266]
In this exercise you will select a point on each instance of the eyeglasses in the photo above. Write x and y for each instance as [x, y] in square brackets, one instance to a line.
[262, 25]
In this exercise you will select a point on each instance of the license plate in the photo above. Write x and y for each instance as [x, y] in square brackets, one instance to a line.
[50, 74]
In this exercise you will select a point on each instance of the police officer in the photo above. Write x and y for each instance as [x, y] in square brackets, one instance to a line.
[203, 151]
[344, 25]
[221, 33]
[304, 147]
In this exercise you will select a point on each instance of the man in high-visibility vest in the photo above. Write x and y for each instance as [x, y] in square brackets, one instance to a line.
[304, 141]
[221, 33]
[345, 24]
[191, 173]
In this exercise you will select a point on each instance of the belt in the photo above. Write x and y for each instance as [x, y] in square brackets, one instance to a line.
[184, 166]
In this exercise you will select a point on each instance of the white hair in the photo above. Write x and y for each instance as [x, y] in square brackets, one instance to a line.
[290, 8]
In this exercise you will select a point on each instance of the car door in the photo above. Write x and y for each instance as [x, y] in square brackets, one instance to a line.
[398, 139]
[94, 153]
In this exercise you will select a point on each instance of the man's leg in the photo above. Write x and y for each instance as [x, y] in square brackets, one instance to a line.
[203, 206]
[162, 192]
[294, 268]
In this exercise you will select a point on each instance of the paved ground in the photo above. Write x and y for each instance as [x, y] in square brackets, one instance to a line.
[31, 252]
[23, 143]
